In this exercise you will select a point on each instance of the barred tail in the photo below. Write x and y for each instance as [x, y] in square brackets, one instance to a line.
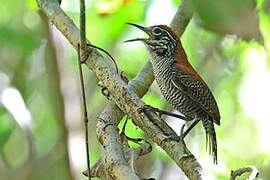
[211, 140]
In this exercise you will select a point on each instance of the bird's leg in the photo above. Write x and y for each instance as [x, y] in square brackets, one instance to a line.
[181, 139]
[183, 134]
[161, 112]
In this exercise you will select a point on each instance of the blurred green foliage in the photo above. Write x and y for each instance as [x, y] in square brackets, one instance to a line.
[47, 148]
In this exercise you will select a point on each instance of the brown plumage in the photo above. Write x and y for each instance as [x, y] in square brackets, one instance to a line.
[179, 83]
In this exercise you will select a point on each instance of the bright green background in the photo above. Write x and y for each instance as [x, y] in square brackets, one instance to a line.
[236, 71]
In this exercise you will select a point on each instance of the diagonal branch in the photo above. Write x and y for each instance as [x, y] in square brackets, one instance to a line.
[122, 94]
[254, 172]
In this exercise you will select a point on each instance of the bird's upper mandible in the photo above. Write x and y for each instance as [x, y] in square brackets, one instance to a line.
[161, 41]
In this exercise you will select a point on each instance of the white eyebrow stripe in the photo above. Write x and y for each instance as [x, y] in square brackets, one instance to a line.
[164, 38]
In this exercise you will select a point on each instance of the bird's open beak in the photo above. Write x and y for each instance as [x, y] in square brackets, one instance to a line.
[145, 29]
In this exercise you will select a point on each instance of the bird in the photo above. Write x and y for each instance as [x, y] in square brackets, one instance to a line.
[179, 82]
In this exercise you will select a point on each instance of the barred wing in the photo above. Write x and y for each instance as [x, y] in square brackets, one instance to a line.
[198, 92]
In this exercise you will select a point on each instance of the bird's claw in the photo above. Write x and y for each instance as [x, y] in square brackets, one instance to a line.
[143, 108]
[140, 110]
[170, 137]
[175, 137]
[147, 107]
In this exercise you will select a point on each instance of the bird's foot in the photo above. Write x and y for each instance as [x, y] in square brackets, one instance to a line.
[147, 107]
[162, 112]
[176, 138]
[172, 137]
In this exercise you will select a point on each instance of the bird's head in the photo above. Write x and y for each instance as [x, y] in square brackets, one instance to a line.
[162, 40]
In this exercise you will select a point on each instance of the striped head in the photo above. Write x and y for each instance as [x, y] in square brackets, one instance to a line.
[162, 41]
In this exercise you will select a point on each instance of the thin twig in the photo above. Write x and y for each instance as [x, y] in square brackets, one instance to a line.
[84, 111]
[254, 172]
[83, 46]
[82, 25]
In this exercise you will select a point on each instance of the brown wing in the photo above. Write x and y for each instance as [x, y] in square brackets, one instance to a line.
[198, 92]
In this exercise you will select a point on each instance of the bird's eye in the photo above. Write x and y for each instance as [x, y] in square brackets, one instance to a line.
[157, 31]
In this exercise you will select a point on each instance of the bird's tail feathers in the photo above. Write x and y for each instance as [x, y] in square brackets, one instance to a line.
[211, 141]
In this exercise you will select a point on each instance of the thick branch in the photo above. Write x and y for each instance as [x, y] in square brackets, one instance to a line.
[125, 98]
[112, 114]
[182, 17]
[121, 170]
[109, 137]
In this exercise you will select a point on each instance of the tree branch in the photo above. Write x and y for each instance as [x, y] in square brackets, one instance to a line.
[123, 96]
[254, 172]
[182, 17]
[112, 114]
[110, 139]
[82, 25]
